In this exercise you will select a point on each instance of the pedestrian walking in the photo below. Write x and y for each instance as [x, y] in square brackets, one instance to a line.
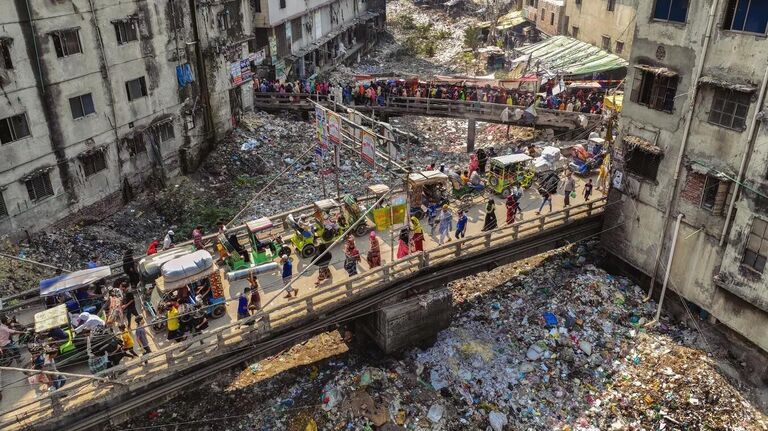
[197, 237]
[323, 262]
[287, 276]
[254, 303]
[446, 224]
[512, 207]
[403, 241]
[374, 251]
[461, 224]
[490, 222]
[142, 337]
[125, 335]
[128, 303]
[482, 159]
[418, 234]
[168, 240]
[545, 197]
[242, 305]
[588, 189]
[602, 178]
[570, 187]
[351, 256]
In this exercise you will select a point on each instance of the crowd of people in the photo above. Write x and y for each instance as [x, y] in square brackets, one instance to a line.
[379, 92]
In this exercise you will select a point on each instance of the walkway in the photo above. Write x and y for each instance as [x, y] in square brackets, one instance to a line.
[479, 111]
[286, 321]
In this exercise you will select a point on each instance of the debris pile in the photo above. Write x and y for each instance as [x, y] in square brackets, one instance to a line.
[560, 346]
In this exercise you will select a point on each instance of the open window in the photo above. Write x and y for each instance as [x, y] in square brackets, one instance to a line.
[66, 42]
[641, 157]
[706, 190]
[654, 87]
[93, 163]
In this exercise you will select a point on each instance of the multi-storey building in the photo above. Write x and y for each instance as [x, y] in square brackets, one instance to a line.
[104, 97]
[608, 24]
[691, 169]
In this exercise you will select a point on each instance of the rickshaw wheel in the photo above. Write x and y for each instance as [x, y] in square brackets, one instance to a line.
[218, 311]
[158, 326]
[493, 181]
[361, 230]
[308, 251]
[285, 250]
[506, 192]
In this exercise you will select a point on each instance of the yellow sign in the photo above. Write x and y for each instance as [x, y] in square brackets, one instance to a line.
[382, 218]
[398, 214]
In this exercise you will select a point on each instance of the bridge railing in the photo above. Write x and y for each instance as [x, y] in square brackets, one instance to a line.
[432, 106]
[228, 339]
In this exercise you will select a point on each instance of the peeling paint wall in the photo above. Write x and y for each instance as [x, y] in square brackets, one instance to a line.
[705, 273]
[101, 70]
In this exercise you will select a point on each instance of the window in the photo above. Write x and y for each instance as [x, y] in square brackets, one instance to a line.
[81, 106]
[746, 15]
[543, 14]
[756, 252]
[256, 6]
[66, 42]
[607, 43]
[126, 31]
[224, 21]
[671, 10]
[575, 32]
[136, 88]
[39, 187]
[135, 145]
[578, 2]
[642, 163]
[619, 47]
[282, 4]
[611, 5]
[706, 191]
[93, 163]
[729, 109]
[552, 19]
[5, 54]
[296, 29]
[13, 128]
[3, 208]
[165, 131]
[654, 88]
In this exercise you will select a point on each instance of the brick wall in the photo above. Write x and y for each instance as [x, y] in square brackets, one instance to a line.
[694, 187]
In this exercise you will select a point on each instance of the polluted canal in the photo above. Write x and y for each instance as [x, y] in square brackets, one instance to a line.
[550, 343]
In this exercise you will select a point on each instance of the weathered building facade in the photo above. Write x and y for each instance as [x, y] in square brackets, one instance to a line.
[691, 164]
[609, 24]
[105, 97]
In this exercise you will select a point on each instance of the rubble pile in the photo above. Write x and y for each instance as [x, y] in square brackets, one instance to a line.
[561, 345]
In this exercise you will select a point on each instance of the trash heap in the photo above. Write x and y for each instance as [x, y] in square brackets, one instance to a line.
[563, 347]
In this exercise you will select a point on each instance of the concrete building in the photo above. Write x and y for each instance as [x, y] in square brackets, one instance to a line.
[105, 97]
[609, 24]
[305, 37]
[691, 163]
[547, 15]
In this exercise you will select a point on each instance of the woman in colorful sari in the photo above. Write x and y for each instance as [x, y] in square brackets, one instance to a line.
[374, 252]
[418, 235]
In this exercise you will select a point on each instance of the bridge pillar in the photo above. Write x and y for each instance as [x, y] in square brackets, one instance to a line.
[471, 130]
[400, 326]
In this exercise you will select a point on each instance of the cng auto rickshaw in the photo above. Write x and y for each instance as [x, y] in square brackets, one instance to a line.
[231, 252]
[354, 211]
[71, 348]
[426, 189]
[508, 171]
[328, 224]
[150, 270]
[187, 277]
[266, 241]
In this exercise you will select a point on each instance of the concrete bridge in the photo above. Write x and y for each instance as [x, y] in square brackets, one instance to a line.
[568, 124]
[176, 365]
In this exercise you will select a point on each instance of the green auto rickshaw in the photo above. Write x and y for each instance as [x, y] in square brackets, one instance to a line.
[508, 171]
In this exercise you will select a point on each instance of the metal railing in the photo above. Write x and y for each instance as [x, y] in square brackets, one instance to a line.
[225, 340]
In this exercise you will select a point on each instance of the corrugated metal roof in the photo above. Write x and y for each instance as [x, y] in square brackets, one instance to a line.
[568, 56]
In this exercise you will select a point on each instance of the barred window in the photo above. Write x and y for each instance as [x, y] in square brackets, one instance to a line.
[135, 145]
[93, 163]
[729, 109]
[39, 187]
[756, 251]
[165, 131]
[126, 31]
[3, 208]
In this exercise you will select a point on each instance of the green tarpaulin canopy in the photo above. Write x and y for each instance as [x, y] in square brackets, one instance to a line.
[565, 55]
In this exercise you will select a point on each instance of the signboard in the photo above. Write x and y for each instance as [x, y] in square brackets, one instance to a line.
[334, 127]
[280, 71]
[618, 176]
[273, 49]
[368, 150]
[240, 71]
[382, 218]
[322, 136]
[259, 56]
[234, 73]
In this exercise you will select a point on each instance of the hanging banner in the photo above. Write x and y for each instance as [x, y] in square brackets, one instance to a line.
[368, 150]
[234, 73]
[382, 218]
[322, 135]
[334, 126]
[273, 49]
[399, 204]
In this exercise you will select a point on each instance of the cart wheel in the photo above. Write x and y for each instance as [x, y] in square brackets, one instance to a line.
[158, 326]
[506, 192]
[308, 251]
[218, 311]
[361, 229]
[285, 250]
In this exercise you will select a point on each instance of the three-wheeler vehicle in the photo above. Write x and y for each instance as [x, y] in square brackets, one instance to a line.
[427, 189]
[511, 170]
